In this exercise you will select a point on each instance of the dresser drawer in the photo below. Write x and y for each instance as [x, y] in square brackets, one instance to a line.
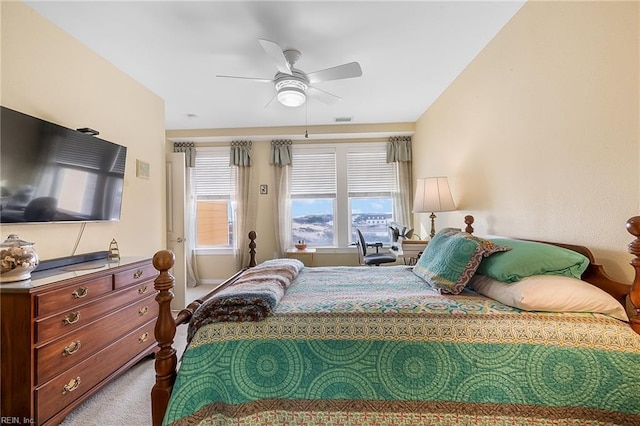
[72, 384]
[135, 275]
[65, 352]
[72, 296]
[73, 319]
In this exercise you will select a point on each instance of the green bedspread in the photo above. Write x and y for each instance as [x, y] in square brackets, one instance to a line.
[363, 346]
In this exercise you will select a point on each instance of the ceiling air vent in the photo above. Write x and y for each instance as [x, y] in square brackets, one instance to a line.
[343, 119]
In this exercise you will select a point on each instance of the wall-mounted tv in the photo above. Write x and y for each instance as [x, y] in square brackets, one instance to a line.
[49, 173]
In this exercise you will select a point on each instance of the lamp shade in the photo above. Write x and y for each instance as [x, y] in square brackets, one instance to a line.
[433, 195]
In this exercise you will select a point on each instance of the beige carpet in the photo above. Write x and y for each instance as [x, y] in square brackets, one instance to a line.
[125, 401]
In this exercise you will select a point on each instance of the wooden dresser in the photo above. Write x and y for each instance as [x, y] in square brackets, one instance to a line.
[68, 331]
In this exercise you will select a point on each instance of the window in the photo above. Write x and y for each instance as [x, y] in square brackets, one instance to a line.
[214, 188]
[371, 182]
[338, 188]
[313, 196]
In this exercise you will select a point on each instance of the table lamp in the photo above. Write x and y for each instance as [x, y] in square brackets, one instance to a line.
[433, 195]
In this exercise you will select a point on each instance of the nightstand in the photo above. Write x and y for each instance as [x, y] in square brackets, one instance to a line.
[412, 249]
[305, 256]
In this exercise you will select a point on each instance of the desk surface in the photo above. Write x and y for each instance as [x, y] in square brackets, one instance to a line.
[305, 256]
[396, 250]
[295, 250]
[408, 250]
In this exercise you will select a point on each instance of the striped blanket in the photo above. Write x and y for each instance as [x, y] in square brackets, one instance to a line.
[251, 298]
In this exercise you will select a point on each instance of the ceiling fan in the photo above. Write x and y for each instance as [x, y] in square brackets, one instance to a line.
[293, 85]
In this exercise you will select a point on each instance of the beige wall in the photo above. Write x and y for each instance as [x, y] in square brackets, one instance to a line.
[539, 135]
[48, 74]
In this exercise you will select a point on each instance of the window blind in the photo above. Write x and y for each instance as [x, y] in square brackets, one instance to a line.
[369, 174]
[313, 173]
[213, 175]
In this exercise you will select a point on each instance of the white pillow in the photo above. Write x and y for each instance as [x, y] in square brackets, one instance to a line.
[550, 293]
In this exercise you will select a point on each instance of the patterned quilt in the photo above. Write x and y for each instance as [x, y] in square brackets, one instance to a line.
[373, 345]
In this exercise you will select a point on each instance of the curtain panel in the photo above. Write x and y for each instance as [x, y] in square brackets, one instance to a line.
[281, 160]
[245, 200]
[189, 150]
[399, 152]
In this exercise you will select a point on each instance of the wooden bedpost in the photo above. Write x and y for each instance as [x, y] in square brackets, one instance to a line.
[252, 248]
[633, 302]
[468, 220]
[165, 331]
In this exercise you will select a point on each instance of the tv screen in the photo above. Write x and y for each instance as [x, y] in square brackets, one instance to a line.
[49, 173]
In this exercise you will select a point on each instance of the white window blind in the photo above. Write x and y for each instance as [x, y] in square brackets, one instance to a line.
[369, 174]
[313, 173]
[213, 175]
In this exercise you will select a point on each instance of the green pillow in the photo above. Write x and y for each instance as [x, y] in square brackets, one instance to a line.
[451, 258]
[532, 258]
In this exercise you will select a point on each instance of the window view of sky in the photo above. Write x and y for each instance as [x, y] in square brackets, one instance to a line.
[305, 207]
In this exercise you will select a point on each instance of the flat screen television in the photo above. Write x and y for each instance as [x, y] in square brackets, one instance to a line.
[49, 173]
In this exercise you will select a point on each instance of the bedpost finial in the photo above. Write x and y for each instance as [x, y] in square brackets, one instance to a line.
[252, 249]
[633, 226]
[468, 220]
[164, 260]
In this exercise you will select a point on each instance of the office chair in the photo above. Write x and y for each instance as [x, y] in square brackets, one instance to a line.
[372, 258]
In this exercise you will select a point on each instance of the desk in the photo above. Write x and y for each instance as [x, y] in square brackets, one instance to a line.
[305, 256]
[409, 250]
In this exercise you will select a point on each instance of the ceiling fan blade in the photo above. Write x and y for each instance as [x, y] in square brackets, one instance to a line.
[260, 80]
[350, 70]
[274, 50]
[323, 96]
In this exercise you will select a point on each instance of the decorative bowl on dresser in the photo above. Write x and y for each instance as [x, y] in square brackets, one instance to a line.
[70, 330]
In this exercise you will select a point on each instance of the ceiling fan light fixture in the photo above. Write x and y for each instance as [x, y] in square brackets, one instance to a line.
[292, 97]
[291, 93]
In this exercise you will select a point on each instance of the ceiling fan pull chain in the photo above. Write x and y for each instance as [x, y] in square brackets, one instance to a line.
[306, 118]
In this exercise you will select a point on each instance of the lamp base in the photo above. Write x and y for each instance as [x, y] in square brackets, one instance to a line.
[432, 216]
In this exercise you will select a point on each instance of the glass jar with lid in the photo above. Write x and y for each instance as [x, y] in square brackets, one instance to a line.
[18, 258]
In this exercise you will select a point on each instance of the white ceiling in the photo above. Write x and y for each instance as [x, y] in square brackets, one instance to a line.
[409, 53]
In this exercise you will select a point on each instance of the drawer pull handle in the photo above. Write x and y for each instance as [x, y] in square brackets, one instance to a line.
[71, 386]
[143, 310]
[143, 338]
[138, 274]
[72, 348]
[143, 289]
[72, 318]
[80, 293]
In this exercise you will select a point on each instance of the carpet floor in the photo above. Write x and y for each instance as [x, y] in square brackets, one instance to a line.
[127, 400]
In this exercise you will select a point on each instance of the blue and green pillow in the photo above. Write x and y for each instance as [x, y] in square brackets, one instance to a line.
[532, 258]
[451, 258]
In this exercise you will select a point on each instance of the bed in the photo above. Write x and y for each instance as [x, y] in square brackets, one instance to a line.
[280, 343]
